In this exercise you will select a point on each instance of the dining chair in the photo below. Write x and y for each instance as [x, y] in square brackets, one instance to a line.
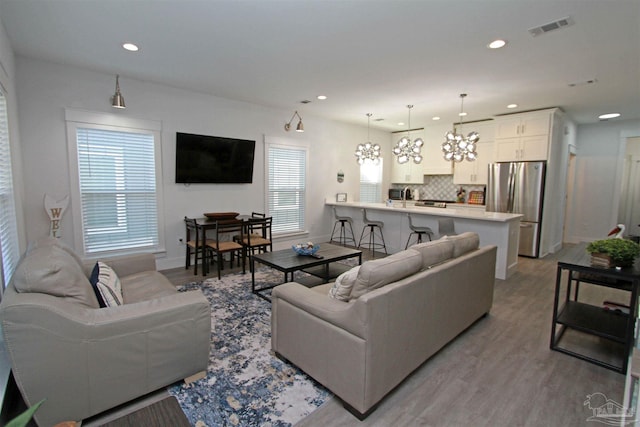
[258, 236]
[258, 215]
[195, 245]
[224, 243]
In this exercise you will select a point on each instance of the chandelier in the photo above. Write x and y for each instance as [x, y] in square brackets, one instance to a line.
[368, 151]
[406, 149]
[456, 146]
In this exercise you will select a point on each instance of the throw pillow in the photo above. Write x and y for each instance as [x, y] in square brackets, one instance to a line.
[341, 289]
[106, 285]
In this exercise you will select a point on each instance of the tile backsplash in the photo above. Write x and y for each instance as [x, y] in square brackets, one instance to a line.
[439, 187]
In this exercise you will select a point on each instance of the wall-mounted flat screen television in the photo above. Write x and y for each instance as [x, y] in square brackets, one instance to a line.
[213, 159]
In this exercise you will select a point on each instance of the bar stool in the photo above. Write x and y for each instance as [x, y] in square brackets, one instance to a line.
[342, 237]
[419, 231]
[372, 225]
[446, 227]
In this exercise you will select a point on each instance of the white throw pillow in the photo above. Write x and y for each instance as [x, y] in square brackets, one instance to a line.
[106, 285]
[341, 289]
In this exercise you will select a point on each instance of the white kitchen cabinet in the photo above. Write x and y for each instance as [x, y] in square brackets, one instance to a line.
[434, 162]
[407, 173]
[410, 172]
[475, 172]
[522, 137]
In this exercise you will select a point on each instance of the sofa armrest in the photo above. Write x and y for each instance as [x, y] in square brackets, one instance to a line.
[84, 361]
[339, 313]
[125, 265]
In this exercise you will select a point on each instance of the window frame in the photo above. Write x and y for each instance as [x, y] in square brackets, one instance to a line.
[76, 119]
[281, 143]
[10, 247]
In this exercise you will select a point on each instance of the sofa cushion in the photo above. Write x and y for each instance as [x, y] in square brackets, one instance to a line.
[341, 289]
[106, 285]
[146, 285]
[58, 243]
[463, 243]
[51, 270]
[435, 252]
[377, 273]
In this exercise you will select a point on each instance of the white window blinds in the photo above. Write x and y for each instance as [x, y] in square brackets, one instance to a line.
[371, 182]
[286, 192]
[117, 182]
[9, 247]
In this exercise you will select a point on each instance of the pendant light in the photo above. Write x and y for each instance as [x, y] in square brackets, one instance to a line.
[406, 149]
[117, 100]
[368, 151]
[457, 147]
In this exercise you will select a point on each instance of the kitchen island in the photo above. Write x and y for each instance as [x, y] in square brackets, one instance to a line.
[493, 228]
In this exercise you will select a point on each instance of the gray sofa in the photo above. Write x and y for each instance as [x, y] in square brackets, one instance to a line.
[398, 312]
[84, 359]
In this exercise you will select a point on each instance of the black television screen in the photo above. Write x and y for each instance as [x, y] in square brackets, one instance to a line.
[213, 159]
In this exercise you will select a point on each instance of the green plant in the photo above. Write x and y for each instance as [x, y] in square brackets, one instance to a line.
[621, 251]
[23, 419]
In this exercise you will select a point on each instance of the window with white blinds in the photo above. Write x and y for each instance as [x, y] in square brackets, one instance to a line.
[9, 246]
[371, 182]
[286, 187]
[117, 189]
[115, 175]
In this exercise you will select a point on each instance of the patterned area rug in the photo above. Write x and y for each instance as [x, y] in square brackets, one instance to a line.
[246, 385]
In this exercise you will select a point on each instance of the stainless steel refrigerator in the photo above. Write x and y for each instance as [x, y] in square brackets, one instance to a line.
[518, 187]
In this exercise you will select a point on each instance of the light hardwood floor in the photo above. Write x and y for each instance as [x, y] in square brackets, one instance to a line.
[500, 372]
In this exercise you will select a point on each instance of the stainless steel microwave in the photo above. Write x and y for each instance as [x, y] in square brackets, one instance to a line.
[396, 194]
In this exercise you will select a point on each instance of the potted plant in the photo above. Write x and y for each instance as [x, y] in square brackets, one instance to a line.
[610, 252]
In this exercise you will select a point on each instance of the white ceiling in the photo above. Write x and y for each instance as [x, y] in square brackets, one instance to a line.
[365, 56]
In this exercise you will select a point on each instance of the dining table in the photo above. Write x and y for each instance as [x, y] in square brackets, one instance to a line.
[209, 222]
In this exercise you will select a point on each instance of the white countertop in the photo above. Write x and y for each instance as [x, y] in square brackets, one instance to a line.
[463, 212]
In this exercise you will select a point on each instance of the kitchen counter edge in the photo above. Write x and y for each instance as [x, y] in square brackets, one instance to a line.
[420, 210]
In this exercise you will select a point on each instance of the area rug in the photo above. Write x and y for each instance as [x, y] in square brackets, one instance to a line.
[246, 385]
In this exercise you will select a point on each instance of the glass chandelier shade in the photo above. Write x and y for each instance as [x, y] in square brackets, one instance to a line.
[456, 146]
[406, 149]
[368, 151]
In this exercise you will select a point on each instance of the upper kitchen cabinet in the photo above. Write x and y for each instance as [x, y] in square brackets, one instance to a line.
[434, 162]
[523, 136]
[410, 172]
[475, 173]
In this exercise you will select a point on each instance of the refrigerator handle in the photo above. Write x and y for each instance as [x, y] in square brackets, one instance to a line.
[511, 187]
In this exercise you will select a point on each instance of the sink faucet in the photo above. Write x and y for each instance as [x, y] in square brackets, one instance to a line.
[404, 197]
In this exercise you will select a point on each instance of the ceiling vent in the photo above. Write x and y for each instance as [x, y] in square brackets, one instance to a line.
[555, 25]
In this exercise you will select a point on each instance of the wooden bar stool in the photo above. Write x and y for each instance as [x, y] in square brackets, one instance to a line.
[372, 226]
[342, 237]
[419, 231]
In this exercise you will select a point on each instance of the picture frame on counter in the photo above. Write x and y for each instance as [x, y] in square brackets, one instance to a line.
[341, 197]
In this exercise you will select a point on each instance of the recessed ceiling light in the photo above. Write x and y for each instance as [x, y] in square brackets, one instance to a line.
[130, 47]
[435, 118]
[512, 106]
[400, 123]
[609, 116]
[462, 114]
[322, 97]
[497, 44]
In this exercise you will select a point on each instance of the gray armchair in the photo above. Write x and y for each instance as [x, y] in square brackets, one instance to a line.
[84, 359]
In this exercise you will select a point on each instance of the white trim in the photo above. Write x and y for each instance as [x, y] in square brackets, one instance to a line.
[97, 120]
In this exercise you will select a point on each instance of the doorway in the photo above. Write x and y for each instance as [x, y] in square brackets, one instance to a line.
[629, 206]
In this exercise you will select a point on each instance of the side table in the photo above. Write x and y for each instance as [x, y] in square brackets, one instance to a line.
[569, 312]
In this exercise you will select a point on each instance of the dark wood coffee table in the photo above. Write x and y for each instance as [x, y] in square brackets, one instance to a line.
[289, 262]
